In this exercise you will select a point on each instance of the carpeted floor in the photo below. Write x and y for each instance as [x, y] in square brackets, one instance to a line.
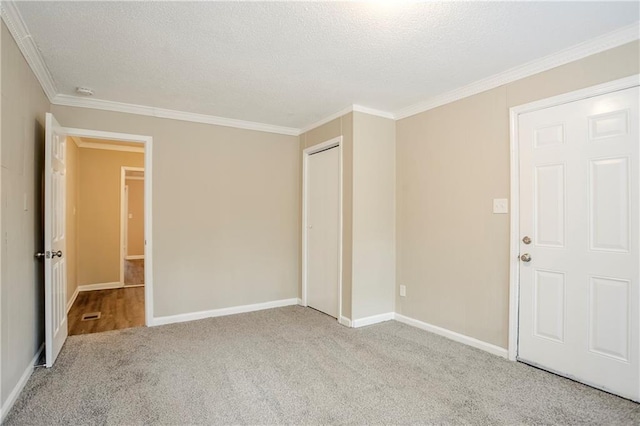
[297, 366]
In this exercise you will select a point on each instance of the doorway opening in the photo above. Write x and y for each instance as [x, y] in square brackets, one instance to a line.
[132, 226]
[65, 208]
[105, 238]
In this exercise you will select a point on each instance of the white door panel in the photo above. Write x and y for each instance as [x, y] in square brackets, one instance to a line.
[323, 220]
[579, 195]
[54, 240]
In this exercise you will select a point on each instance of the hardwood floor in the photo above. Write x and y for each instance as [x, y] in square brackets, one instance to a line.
[120, 308]
[134, 272]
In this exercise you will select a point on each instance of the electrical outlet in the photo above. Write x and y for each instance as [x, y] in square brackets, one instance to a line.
[403, 290]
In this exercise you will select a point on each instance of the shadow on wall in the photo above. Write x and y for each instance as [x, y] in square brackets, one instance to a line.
[38, 217]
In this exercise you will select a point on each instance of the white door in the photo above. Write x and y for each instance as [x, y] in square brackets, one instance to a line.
[55, 267]
[579, 207]
[323, 222]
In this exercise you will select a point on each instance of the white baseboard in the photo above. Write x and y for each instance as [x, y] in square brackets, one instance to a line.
[171, 319]
[374, 319]
[344, 321]
[100, 286]
[13, 396]
[460, 338]
[135, 257]
[73, 299]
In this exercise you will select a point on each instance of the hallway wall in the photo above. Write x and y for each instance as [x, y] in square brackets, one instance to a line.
[99, 213]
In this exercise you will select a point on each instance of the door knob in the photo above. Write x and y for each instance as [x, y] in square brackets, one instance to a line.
[40, 255]
[526, 240]
[56, 254]
[526, 257]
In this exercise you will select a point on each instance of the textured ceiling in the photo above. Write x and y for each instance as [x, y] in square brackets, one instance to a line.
[290, 64]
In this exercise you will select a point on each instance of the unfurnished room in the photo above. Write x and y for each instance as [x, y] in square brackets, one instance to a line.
[319, 212]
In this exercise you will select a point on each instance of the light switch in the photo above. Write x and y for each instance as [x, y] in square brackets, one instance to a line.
[403, 290]
[130, 215]
[500, 205]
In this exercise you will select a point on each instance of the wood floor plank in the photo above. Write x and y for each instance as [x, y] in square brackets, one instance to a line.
[120, 308]
[134, 272]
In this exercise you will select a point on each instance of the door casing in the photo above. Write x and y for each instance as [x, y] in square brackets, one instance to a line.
[335, 142]
[147, 142]
[514, 251]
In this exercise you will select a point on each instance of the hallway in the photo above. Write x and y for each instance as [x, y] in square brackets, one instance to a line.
[119, 308]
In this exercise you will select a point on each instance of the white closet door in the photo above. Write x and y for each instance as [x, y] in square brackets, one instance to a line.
[579, 208]
[323, 216]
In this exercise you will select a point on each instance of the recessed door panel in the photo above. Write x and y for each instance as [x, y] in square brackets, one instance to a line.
[609, 317]
[549, 305]
[549, 136]
[609, 125]
[609, 207]
[549, 205]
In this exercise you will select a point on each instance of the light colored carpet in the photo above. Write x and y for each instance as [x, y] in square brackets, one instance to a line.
[297, 366]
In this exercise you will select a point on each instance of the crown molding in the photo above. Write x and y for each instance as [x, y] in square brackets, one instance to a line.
[345, 111]
[76, 140]
[107, 147]
[376, 112]
[76, 101]
[582, 50]
[18, 29]
[326, 119]
[96, 145]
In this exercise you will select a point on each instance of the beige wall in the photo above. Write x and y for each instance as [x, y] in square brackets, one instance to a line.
[374, 194]
[72, 209]
[99, 218]
[135, 224]
[342, 126]
[226, 202]
[21, 279]
[453, 253]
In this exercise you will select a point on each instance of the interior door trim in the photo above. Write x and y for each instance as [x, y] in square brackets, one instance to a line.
[145, 142]
[514, 250]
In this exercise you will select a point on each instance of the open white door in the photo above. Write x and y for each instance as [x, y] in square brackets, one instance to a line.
[55, 267]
